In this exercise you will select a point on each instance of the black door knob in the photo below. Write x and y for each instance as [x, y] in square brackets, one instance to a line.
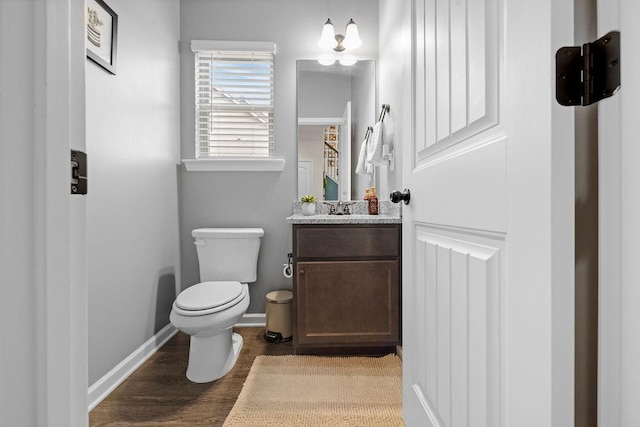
[397, 196]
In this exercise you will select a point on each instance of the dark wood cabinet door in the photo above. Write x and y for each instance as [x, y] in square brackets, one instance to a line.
[347, 303]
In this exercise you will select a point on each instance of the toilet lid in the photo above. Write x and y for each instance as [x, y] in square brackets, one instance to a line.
[208, 295]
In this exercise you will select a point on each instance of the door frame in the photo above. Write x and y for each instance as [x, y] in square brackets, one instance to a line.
[60, 286]
[619, 245]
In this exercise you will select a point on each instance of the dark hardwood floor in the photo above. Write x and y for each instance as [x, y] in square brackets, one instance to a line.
[159, 393]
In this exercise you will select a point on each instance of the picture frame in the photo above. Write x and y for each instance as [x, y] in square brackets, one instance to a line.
[101, 34]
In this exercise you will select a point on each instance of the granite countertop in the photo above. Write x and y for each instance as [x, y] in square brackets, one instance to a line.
[389, 213]
[343, 219]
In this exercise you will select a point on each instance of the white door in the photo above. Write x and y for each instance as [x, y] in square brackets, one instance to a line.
[619, 228]
[344, 160]
[488, 234]
[305, 178]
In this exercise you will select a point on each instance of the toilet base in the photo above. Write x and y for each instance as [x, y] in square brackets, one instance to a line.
[213, 357]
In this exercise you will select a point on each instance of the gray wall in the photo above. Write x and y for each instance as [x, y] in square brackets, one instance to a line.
[133, 131]
[393, 72]
[257, 199]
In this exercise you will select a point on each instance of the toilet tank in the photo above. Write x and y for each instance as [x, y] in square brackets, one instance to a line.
[228, 253]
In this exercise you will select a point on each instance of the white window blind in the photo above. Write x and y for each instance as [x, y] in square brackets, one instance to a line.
[234, 99]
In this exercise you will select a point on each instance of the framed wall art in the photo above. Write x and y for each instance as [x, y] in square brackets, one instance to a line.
[101, 34]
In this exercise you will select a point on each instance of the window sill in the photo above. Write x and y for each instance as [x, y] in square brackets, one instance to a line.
[233, 165]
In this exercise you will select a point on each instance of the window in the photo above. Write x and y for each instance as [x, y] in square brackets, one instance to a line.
[234, 99]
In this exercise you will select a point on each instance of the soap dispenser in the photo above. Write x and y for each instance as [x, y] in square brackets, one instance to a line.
[373, 201]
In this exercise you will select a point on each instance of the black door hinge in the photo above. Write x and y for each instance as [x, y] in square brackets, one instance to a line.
[588, 74]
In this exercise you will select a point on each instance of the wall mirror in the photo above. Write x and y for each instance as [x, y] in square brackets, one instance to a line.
[336, 104]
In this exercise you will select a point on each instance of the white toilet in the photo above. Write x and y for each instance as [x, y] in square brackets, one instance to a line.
[207, 311]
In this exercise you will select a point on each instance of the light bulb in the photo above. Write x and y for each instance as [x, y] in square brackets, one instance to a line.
[347, 62]
[328, 36]
[326, 61]
[351, 38]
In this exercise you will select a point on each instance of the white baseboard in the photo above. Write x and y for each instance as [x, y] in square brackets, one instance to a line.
[105, 385]
[253, 319]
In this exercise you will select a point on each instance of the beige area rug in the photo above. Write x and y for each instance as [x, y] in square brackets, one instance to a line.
[321, 391]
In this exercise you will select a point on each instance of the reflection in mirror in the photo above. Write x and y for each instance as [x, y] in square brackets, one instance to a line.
[336, 104]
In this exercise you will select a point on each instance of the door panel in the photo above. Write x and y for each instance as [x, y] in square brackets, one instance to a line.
[469, 180]
[456, 69]
[458, 377]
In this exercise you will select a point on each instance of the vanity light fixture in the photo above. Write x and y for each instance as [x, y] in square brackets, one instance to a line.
[338, 42]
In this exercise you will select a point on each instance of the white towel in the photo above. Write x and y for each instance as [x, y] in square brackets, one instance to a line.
[374, 147]
[387, 130]
[364, 168]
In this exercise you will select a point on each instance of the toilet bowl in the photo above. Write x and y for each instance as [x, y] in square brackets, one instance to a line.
[214, 348]
[207, 311]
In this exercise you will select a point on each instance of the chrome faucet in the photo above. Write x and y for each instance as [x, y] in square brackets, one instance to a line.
[340, 208]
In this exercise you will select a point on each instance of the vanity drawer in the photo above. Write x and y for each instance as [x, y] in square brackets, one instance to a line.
[345, 241]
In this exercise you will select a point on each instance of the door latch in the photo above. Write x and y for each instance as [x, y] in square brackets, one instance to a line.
[589, 74]
[78, 172]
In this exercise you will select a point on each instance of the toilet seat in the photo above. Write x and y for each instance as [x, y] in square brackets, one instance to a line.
[209, 297]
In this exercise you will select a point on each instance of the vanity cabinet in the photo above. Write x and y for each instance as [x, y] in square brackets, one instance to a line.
[347, 289]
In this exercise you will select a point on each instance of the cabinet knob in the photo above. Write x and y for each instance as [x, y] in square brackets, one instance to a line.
[301, 271]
